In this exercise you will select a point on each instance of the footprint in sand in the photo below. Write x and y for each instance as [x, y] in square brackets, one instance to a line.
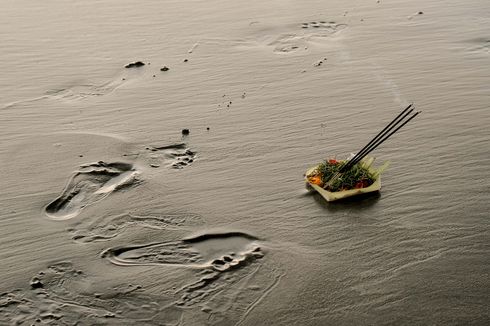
[219, 251]
[63, 295]
[230, 274]
[89, 89]
[176, 156]
[296, 37]
[91, 183]
[74, 92]
[112, 226]
[79, 90]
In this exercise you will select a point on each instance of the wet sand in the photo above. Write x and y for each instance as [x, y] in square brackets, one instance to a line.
[113, 215]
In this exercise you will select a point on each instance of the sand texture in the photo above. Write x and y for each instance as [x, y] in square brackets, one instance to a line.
[153, 156]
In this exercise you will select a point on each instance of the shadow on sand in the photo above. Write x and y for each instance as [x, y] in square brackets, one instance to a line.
[356, 203]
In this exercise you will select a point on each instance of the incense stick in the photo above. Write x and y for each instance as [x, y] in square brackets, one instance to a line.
[381, 137]
[383, 132]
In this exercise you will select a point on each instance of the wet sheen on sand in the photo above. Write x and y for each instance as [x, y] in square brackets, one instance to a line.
[175, 196]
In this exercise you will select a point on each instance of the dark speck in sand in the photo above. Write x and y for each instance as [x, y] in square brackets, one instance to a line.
[164, 68]
[135, 64]
[36, 284]
[185, 132]
[420, 13]
[207, 128]
[185, 60]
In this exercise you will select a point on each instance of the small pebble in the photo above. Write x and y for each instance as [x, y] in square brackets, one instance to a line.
[135, 64]
[185, 60]
[164, 68]
[207, 128]
[420, 13]
[185, 132]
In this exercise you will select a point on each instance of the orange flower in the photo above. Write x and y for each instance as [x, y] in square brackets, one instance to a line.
[316, 179]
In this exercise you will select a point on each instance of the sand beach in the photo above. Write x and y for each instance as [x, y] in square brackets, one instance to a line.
[153, 157]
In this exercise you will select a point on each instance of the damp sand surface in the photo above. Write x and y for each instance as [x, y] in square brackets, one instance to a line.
[153, 157]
